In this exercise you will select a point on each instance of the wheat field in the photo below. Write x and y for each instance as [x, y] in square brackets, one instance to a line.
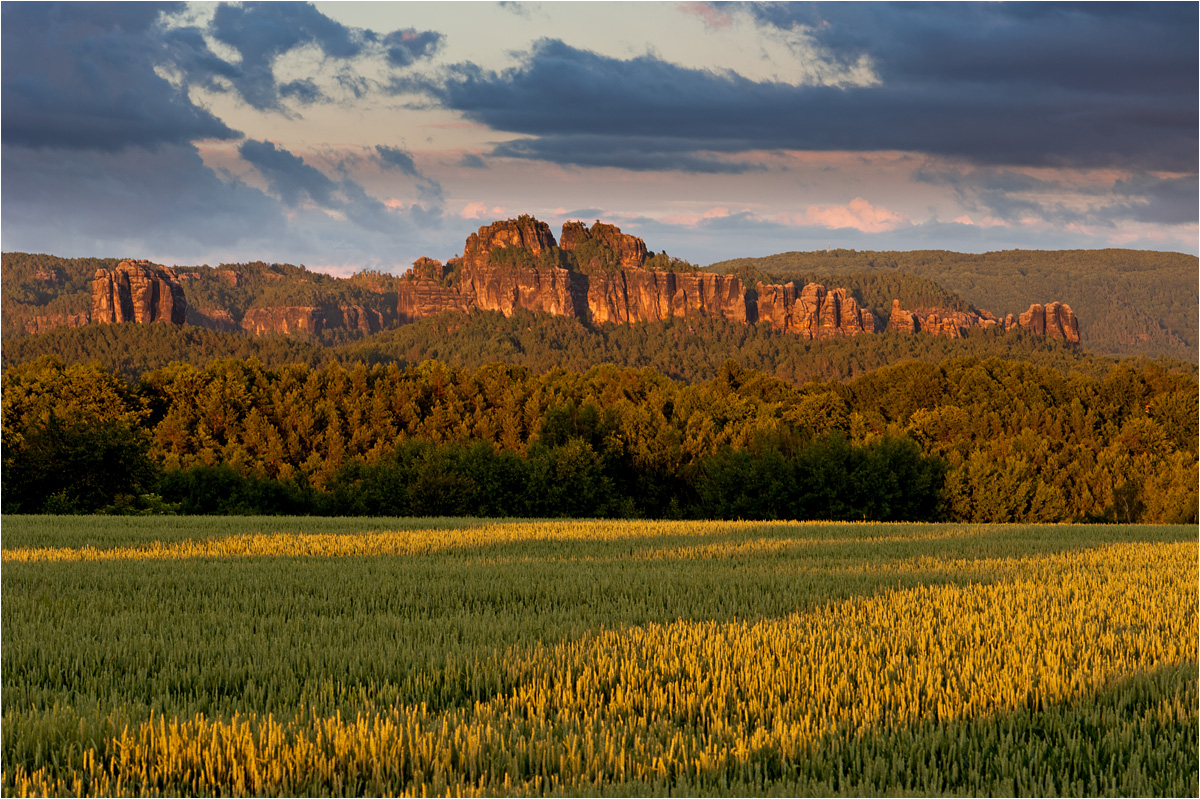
[199, 656]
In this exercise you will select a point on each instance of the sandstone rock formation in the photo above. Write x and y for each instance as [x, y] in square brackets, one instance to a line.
[311, 320]
[525, 233]
[137, 291]
[629, 251]
[503, 288]
[813, 311]
[614, 287]
[1055, 320]
[640, 295]
[424, 292]
[40, 324]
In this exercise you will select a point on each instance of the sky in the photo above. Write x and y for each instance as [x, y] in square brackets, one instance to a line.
[345, 136]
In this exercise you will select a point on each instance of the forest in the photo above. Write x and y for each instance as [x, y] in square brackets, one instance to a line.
[688, 349]
[963, 438]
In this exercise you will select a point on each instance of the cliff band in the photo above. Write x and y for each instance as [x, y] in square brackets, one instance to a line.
[598, 275]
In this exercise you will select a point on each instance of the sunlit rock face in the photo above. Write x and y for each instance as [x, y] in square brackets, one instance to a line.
[812, 312]
[1055, 320]
[596, 274]
[137, 291]
[630, 251]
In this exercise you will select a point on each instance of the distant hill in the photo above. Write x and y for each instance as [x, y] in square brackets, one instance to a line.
[1129, 302]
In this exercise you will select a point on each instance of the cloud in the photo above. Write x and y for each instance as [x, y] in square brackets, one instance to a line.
[395, 158]
[479, 210]
[1062, 197]
[404, 47]
[83, 76]
[164, 203]
[635, 153]
[262, 32]
[858, 214]
[1080, 86]
[295, 181]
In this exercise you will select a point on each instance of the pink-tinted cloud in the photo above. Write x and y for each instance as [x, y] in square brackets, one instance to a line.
[857, 214]
[711, 15]
[481, 210]
[692, 219]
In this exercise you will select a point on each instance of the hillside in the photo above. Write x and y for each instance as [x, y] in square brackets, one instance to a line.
[1128, 302]
[1132, 302]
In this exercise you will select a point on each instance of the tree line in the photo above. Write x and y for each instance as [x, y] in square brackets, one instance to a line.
[965, 439]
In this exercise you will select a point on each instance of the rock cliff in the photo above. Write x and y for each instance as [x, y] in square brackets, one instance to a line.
[629, 252]
[640, 295]
[1055, 320]
[813, 311]
[596, 274]
[137, 291]
[311, 320]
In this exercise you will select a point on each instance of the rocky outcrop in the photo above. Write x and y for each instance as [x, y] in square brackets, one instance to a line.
[1055, 320]
[639, 295]
[505, 288]
[310, 320]
[213, 319]
[523, 233]
[137, 291]
[813, 311]
[40, 324]
[492, 283]
[628, 251]
[613, 287]
[424, 292]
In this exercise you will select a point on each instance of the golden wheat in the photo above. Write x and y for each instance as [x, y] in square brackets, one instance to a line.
[1056, 668]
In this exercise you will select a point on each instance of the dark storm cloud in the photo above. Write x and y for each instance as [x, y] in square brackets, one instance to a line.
[396, 158]
[287, 174]
[472, 161]
[293, 181]
[406, 46]
[1163, 201]
[1074, 85]
[635, 153]
[80, 75]
[1013, 196]
[129, 202]
[86, 75]
[262, 32]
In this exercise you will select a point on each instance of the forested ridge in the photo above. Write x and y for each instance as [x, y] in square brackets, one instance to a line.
[964, 439]
[683, 349]
[1130, 302]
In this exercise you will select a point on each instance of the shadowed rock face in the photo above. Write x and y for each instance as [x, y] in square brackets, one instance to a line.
[137, 291]
[312, 320]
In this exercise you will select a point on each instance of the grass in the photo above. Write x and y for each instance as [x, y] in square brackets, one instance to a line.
[363, 656]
